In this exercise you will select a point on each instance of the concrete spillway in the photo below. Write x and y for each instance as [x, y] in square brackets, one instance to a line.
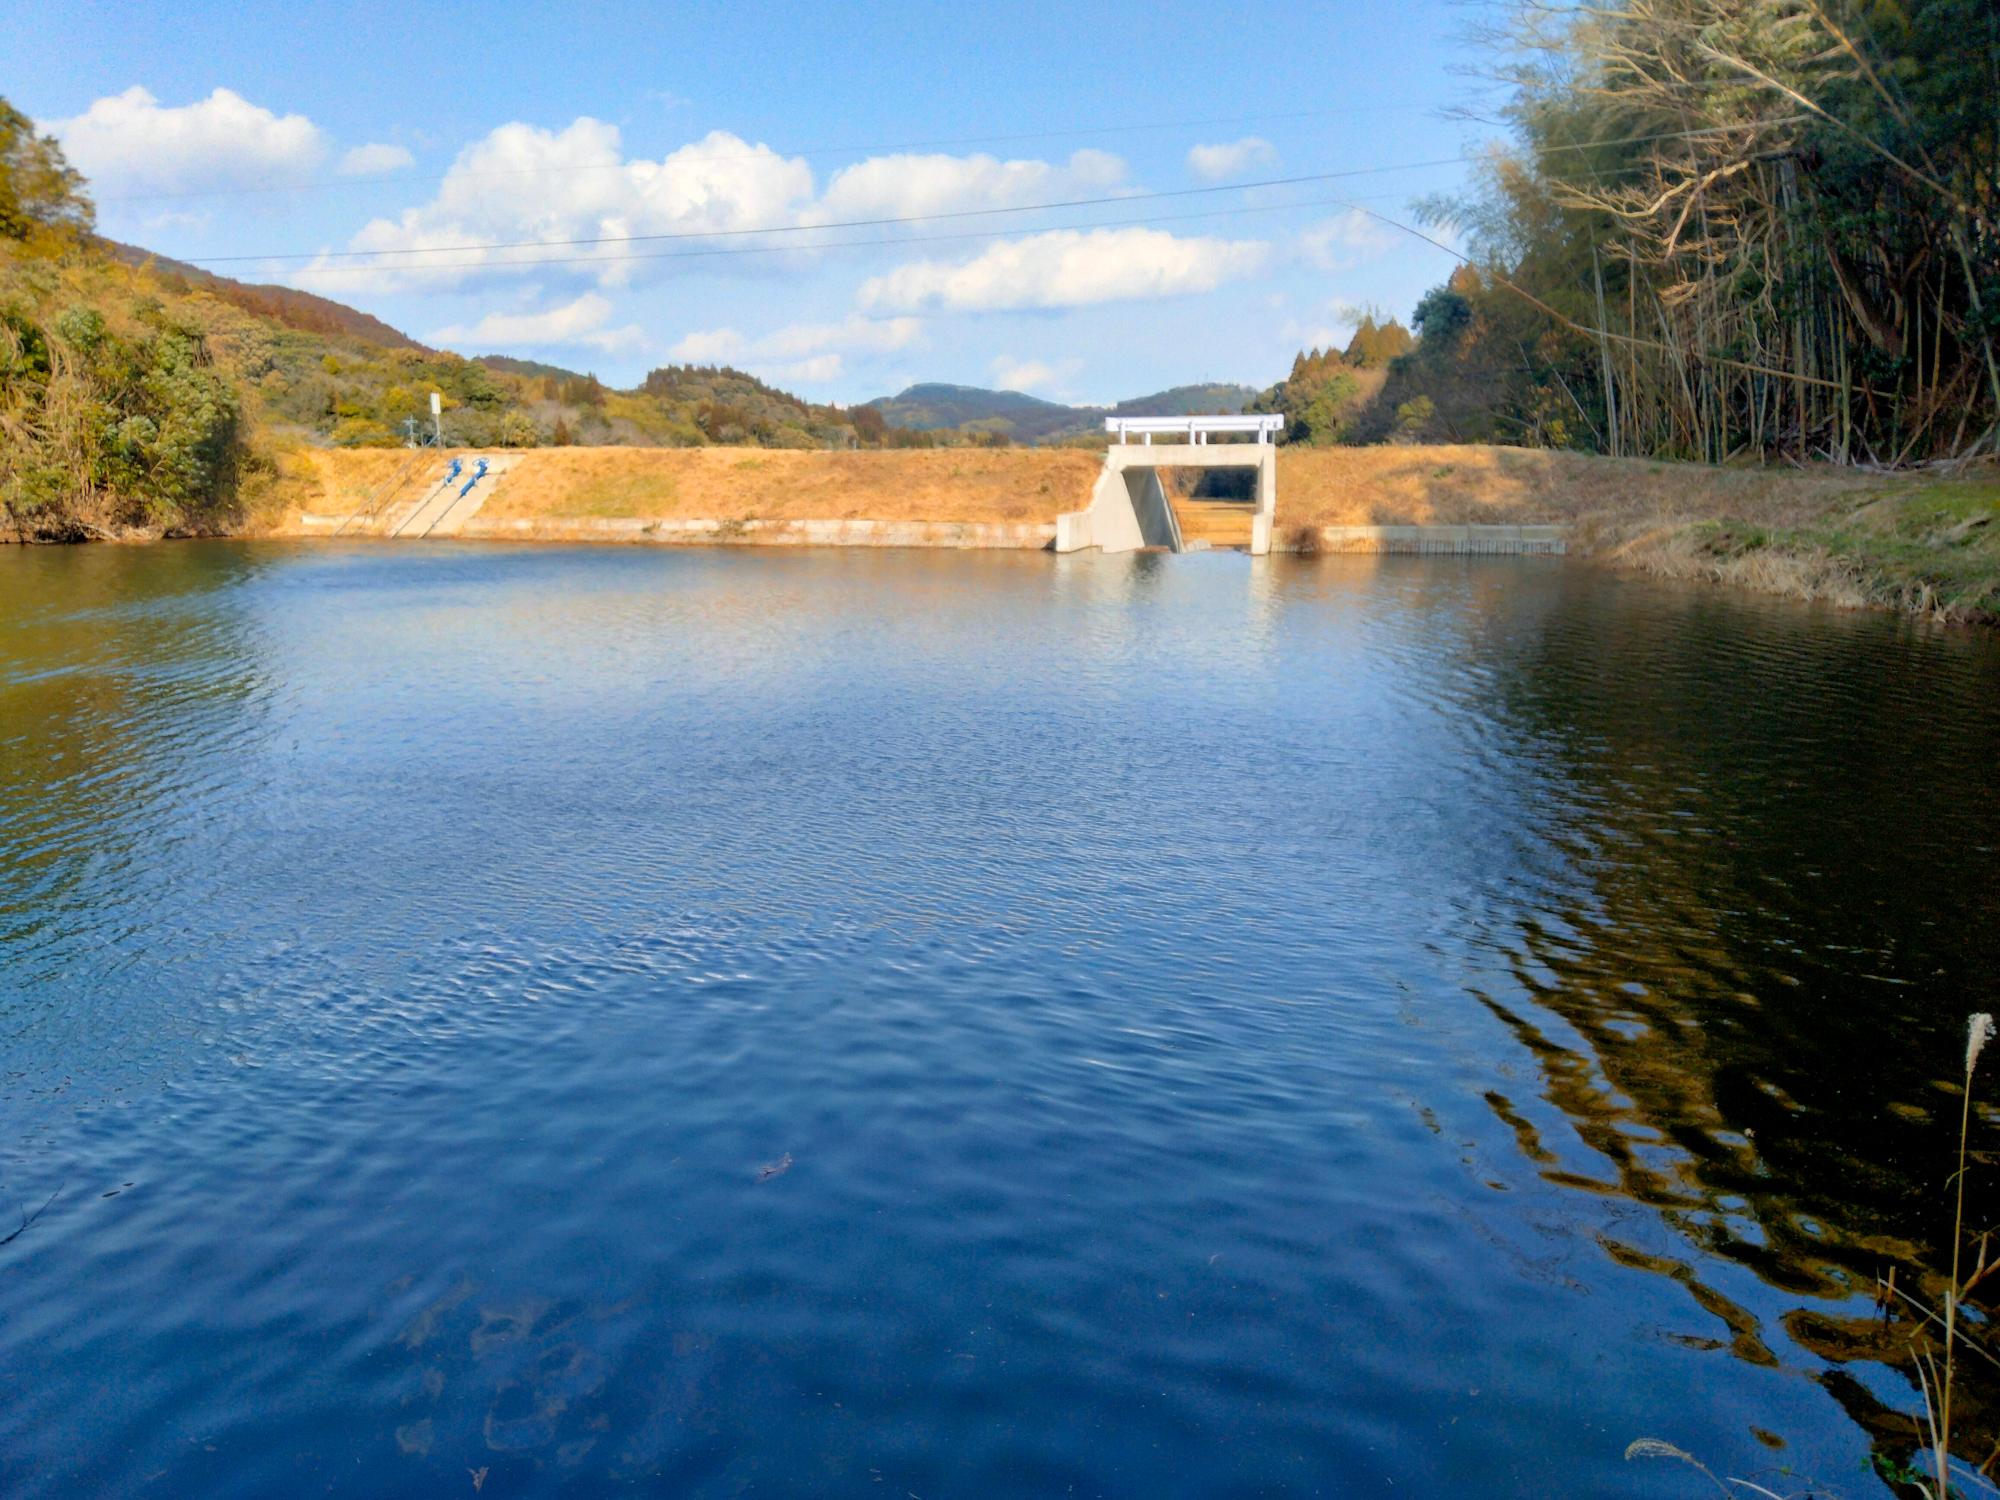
[1130, 508]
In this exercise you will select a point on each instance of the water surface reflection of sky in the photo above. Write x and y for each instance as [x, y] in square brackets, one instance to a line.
[1233, 1026]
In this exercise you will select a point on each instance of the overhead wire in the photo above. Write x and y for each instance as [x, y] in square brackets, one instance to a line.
[1355, 204]
[375, 256]
[878, 242]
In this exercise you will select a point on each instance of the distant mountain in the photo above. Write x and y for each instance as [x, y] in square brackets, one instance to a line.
[1029, 419]
[930, 407]
[281, 304]
[1189, 401]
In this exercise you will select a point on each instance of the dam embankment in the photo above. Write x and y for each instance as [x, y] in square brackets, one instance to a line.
[1852, 537]
[1014, 495]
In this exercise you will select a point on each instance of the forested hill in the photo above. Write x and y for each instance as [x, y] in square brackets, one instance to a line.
[140, 393]
[1029, 419]
[281, 304]
[934, 406]
[1210, 400]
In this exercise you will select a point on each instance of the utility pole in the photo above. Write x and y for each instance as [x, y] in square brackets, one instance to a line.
[437, 420]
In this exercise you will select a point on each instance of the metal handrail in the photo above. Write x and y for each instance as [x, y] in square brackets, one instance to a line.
[479, 473]
[1197, 429]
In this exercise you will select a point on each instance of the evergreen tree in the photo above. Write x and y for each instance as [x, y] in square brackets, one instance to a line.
[39, 189]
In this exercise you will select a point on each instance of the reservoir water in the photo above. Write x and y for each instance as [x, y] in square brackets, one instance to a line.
[555, 1022]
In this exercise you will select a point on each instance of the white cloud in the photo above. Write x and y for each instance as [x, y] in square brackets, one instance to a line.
[131, 143]
[180, 219]
[709, 346]
[1012, 374]
[1345, 241]
[375, 160]
[1214, 163]
[523, 186]
[524, 183]
[578, 323]
[902, 185]
[818, 370]
[807, 353]
[1068, 268]
[1293, 334]
[856, 335]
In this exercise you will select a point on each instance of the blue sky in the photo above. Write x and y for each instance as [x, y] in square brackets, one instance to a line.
[666, 133]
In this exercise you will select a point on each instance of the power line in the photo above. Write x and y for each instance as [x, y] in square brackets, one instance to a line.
[376, 261]
[916, 239]
[875, 223]
[1602, 333]
[1075, 133]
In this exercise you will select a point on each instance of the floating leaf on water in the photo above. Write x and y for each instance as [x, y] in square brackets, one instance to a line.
[776, 1168]
[1654, 1448]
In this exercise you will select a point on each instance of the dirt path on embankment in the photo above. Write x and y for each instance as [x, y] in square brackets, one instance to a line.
[1853, 538]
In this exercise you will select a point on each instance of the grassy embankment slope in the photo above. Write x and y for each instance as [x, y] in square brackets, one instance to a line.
[1907, 542]
[1000, 486]
[1912, 542]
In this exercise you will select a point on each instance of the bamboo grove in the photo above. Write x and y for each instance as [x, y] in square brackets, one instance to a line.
[1733, 227]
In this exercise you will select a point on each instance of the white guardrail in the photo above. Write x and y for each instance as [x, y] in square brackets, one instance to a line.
[1264, 429]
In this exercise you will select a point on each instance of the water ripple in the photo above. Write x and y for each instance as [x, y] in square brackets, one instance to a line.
[964, 1024]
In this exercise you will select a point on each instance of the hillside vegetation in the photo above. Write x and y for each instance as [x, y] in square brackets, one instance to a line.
[1331, 395]
[142, 395]
[1014, 416]
[1731, 227]
[137, 398]
[304, 311]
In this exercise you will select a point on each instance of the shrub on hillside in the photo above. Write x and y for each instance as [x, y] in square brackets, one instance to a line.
[105, 428]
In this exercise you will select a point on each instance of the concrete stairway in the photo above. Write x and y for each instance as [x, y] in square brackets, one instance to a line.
[1214, 523]
[428, 511]
[409, 517]
[443, 510]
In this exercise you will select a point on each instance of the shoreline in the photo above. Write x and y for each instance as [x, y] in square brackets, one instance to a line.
[1922, 545]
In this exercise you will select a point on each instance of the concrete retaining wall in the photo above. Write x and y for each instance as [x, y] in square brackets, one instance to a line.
[1480, 541]
[1489, 541]
[1026, 536]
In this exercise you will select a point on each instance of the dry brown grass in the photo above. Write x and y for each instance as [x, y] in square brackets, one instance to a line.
[337, 482]
[1607, 499]
[1916, 543]
[1849, 537]
[740, 484]
[1807, 574]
